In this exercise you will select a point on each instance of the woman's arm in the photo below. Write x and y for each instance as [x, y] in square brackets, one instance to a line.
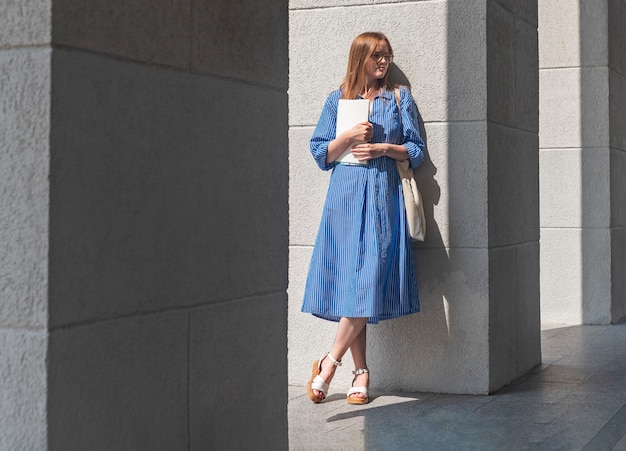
[325, 146]
[411, 138]
[324, 133]
[360, 133]
[369, 151]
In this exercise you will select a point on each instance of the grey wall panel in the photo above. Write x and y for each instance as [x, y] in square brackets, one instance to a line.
[25, 23]
[168, 189]
[238, 358]
[120, 384]
[150, 31]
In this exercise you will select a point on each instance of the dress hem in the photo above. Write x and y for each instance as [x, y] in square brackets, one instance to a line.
[370, 320]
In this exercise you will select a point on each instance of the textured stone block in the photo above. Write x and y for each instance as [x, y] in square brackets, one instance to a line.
[595, 187]
[528, 293]
[617, 36]
[574, 107]
[618, 188]
[25, 23]
[560, 172]
[23, 389]
[24, 166]
[575, 188]
[310, 34]
[561, 266]
[618, 274]
[245, 40]
[559, 108]
[423, 57]
[526, 77]
[595, 107]
[501, 65]
[225, 368]
[453, 183]
[466, 82]
[596, 275]
[617, 109]
[525, 9]
[559, 33]
[575, 276]
[140, 30]
[503, 320]
[593, 32]
[152, 191]
[121, 384]
[514, 345]
[573, 33]
[513, 186]
[307, 189]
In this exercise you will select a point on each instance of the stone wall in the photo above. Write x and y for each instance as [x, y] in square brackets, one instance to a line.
[582, 161]
[145, 226]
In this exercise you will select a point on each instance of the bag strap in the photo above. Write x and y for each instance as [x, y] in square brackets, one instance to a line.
[396, 94]
[403, 166]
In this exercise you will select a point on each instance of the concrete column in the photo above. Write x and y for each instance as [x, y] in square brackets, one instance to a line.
[24, 156]
[473, 70]
[583, 213]
[144, 225]
[617, 142]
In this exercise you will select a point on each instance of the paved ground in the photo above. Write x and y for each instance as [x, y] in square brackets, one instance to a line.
[576, 400]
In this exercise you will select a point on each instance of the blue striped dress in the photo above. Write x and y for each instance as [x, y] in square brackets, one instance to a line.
[362, 263]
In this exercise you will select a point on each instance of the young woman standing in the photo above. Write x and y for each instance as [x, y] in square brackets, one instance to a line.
[362, 268]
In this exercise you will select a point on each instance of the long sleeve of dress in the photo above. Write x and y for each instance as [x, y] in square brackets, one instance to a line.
[325, 131]
[411, 138]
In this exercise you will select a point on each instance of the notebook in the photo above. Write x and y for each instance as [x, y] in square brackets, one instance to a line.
[349, 113]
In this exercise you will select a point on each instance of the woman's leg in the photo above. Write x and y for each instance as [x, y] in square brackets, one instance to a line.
[347, 332]
[357, 349]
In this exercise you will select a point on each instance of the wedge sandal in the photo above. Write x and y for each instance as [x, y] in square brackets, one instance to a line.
[316, 382]
[364, 390]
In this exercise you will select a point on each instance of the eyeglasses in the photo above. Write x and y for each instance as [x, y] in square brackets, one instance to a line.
[378, 57]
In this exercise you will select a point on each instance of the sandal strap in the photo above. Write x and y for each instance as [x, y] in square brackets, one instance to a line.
[334, 360]
[319, 384]
[360, 371]
[355, 390]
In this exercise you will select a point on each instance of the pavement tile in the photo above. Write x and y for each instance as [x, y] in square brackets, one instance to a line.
[574, 401]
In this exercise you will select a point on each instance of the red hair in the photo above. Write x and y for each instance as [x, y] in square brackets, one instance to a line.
[361, 49]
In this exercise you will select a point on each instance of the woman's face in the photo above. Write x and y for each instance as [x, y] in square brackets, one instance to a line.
[378, 63]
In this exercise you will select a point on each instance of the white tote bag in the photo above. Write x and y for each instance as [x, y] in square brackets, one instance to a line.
[412, 202]
[412, 198]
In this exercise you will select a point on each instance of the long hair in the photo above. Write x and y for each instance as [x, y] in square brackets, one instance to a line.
[361, 49]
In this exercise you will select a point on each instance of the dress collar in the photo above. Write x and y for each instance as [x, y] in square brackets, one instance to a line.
[383, 93]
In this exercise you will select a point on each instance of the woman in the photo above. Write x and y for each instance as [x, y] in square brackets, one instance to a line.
[362, 268]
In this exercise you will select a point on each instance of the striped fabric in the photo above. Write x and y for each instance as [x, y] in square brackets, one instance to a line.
[362, 263]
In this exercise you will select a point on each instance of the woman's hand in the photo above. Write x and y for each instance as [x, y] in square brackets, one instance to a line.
[361, 133]
[367, 151]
